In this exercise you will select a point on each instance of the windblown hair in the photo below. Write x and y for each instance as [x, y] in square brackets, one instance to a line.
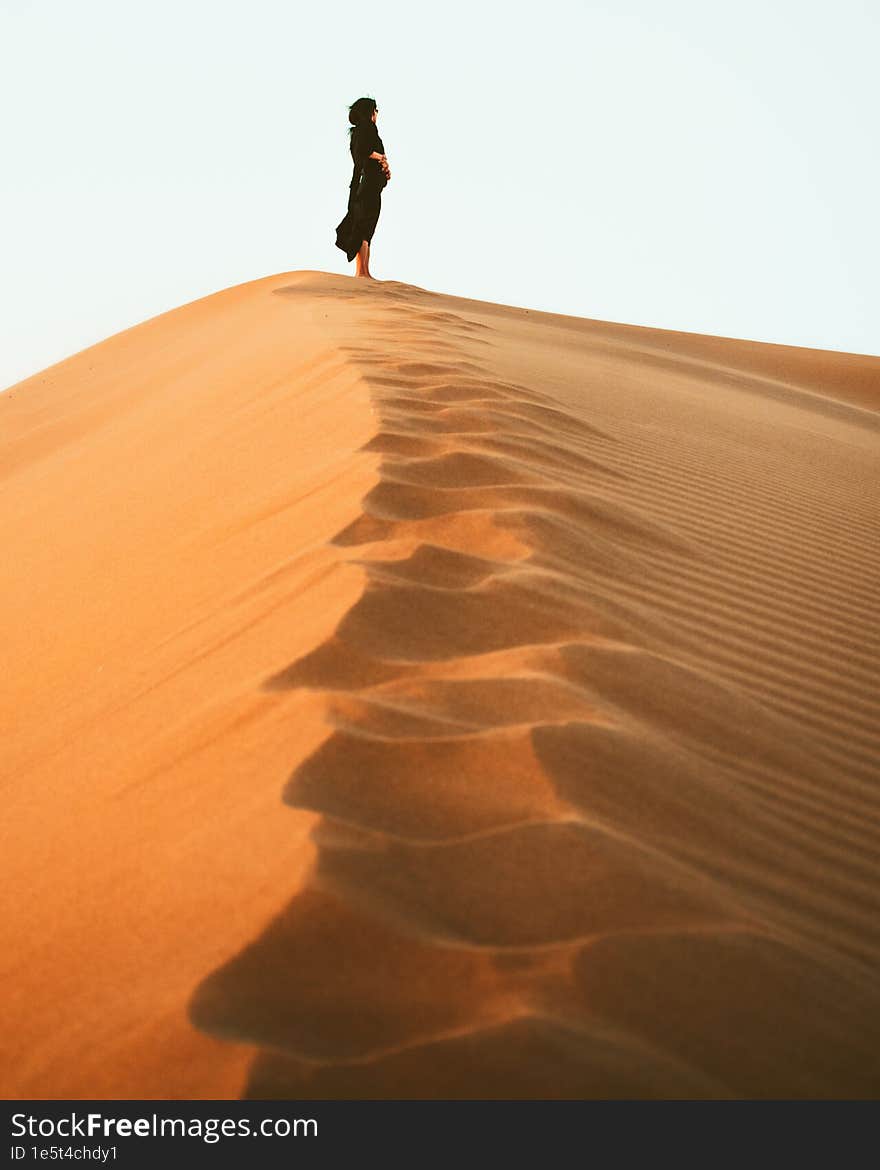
[360, 112]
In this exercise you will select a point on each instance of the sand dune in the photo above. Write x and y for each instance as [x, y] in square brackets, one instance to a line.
[412, 696]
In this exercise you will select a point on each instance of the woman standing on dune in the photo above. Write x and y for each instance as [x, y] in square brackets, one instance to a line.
[371, 173]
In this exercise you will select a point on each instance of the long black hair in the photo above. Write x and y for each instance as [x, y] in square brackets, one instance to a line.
[361, 112]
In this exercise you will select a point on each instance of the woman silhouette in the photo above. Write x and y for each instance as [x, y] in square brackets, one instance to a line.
[371, 173]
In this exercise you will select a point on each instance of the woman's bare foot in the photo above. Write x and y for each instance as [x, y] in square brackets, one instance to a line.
[363, 262]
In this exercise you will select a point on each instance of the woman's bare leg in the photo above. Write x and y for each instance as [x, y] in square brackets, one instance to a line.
[363, 261]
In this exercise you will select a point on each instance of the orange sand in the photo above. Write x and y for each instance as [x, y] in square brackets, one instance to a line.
[412, 696]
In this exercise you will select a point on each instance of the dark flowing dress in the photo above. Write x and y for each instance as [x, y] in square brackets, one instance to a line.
[364, 192]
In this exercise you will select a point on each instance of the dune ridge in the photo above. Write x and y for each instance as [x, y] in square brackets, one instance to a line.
[168, 498]
[556, 638]
[599, 807]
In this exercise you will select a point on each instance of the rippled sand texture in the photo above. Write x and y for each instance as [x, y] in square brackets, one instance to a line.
[599, 803]
[412, 696]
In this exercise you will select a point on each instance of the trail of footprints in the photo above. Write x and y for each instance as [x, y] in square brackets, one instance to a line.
[504, 827]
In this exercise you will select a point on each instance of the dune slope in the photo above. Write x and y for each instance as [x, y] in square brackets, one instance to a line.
[558, 641]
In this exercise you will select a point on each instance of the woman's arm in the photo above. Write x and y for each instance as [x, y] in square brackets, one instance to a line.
[360, 146]
[361, 142]
[376, 154]
[383, 161]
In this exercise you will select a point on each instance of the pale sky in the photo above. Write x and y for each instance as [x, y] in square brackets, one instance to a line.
[687, 164]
